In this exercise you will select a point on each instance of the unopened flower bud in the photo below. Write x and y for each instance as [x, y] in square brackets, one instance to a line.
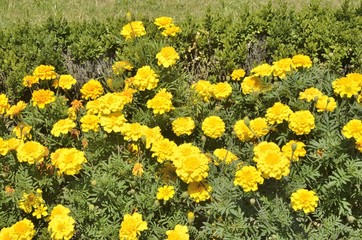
[247, 121]
[190, 217]
[94, 183]
[156, 203]
[185, 194]
[252, 201]
[350, 219]
[294, 147]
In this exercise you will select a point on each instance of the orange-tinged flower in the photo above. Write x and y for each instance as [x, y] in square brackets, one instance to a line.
[30, 80]
[42, 97]
[91, 89]
[45, 72]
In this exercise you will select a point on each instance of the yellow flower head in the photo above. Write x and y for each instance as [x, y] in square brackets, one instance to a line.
[151, 135]
[222, 90]
[65, 82]
[291, 154]
[199, 191]
[132, 226]
[223, 155]
[161, 103]
[259, 127]
[192, 168]
[113, 122]
[183, 125]
[4, 147]
[237, 74]
[6, 233]
[23, 229]
[282, 67]
[248, 177]
[42, 97]
[301, 61]
[63, 126]
[355, 77]
[61, 227]
[353, 129]
[163, 22]
[31, 152]
[310, 94]
[204, 89]
[167, 57]
[264, 147]
[131, 131]
[133, 30]
[13, 143]
[59, 211]
[304, 200]
[16, 109]
[252, 84]
[163, 149]
[137, 170]
[68, 160]
[242, 131]
[278, 113]
[90, 123]
[346, 87]
[213, 127]
[184, 150]
[263, 70]
[179, 233]
[45, 72]
[165, 193]
[120, 66]
[40, 211]
[110, 102]
[4, 103]
[145, 78]
[272, 164]
[301, 122]
[171, 30]
[326, 104]
[29, 80]
[91, 89]
[30, 201]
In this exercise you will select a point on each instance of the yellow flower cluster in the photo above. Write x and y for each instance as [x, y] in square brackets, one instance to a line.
[145, 78]
[223, 155]
[133, 29]
[68, 160]
[213, 127]
[132, 226]
[183, 125]
[322, 102]
[199, 191]
[161, 103]
[63, 126]
[169, 28]
[167, 57]
[248, 177]
[23, 230]
[348, 86]
[278, 113]
[180, 232]
[301, 61]
[163, 149]
[270, 161]
[33, 202]
[165, 193]
[61, 225]
[282, 67]
[31, 152]
[301, 122]
[305, 200]
[206, 90]
[113, 122]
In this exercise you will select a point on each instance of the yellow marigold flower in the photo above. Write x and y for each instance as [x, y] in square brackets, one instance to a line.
[192, 168]
[40, 211]
[163, 22]
[131, 131]
[137, 170]
[346, 87]
[16, 109]
[264, 147]
[355, 77]
[65, 82]
[62, 227]
[272, 164]
[63, 126]
[133, 29]
[183, 125]
[45, 72]
[42, 97]
[310, 94]
[110, 102]
[6, 233]
[326, 104]
[184, 150]
[171, 30]
[151, 135]
[301, 122]
[282, 67]
[93, 107]
[359, 144]
[180, 232]
[31, 152]
[353, 129]
[120, 66]
[59, 211]
[242, 131]
[4, 147]
[298, 151]
[90, 123]
[199, 191]
[223, 155]
[237, 74]
[72, 114]
[163, 149]
[23, 230]
[22, 131]
[161, 103]
[167, 57]
[301, 61]
[4, 103]
[127, 95]
[278, 113]
[13, 143]
[113, 122]
[30, 201]
[252, 84]
[248, 177]
[259, 127]
[91, 89]
[204, 89]
[305, 200]
[222, 90]
[29, 80]
[132, 226]
[165, 193]
[213, 127]
[263, 70]
[145, 78]
[68, 160]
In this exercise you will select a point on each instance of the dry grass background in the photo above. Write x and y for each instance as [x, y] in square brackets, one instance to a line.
[36, 11]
